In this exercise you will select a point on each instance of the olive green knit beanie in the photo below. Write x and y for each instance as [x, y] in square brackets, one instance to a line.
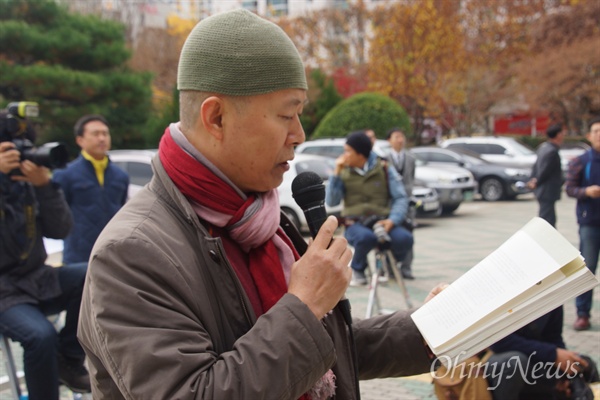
[238, 53]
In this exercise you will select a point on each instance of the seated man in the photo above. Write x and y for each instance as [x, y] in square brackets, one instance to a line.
[31, 206]
[530, 363]
[371, 191]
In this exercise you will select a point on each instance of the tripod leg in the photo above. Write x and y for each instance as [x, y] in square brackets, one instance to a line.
[373, 301]
[398, 277]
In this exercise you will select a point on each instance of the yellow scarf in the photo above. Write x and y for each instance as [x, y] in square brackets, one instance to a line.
[99, 165]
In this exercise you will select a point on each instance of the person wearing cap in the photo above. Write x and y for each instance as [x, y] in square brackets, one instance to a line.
[372, 194]
[546, 176]
[200, 287]
[94, 187]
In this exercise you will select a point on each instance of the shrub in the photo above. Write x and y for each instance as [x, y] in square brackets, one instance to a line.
[363, 111]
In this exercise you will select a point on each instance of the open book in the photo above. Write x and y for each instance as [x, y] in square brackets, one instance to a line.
[529, 275]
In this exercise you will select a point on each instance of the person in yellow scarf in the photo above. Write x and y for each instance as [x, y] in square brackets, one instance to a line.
[94, 187]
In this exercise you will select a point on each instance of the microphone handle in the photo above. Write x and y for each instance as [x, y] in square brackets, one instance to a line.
[315, 217]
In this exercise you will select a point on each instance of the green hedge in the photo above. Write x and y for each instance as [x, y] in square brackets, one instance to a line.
[363, 111]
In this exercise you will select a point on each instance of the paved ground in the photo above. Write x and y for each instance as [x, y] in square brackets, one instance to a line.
[445, 248]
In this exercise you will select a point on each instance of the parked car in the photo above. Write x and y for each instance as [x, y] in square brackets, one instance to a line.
[495, 182]
[137, 165]
[569, 151]
[452, 184]
[426, 200]
[498, 150]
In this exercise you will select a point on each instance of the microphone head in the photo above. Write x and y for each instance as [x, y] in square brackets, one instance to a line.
[308, 189]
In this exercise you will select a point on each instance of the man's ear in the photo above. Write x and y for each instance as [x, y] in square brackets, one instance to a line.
[211, 116]
[78, 140]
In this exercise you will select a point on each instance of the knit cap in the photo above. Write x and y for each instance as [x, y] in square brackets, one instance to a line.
[238, 53]
[360, 142]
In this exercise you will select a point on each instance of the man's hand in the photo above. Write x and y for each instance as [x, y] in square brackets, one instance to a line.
[569, 361]
[33, 173]
[435, 291]
[320, 278]
[340, 163]
[532, 183]
[592, 191]
[10, 158]
[388, 224]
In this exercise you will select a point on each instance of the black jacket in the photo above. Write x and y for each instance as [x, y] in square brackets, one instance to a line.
[27, 214]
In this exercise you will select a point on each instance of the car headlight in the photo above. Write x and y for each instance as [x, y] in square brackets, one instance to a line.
[516, 172]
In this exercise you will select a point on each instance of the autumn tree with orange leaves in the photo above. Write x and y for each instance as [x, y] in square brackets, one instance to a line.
[562, 73]
[416, 53]
[496, 40]
[333, 40]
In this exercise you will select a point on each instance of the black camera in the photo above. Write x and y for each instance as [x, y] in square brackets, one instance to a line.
[15, 128]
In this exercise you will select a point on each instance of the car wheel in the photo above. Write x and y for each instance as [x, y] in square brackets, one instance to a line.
[292, 216]
[491, 189]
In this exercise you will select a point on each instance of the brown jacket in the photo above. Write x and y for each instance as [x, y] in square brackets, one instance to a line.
[164, 316]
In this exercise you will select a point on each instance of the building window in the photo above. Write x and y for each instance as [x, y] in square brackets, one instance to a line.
[250, 5]
[277, 8]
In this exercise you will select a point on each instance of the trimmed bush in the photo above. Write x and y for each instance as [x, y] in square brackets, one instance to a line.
[363, 111]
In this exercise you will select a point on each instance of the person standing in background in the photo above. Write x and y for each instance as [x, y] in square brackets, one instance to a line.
[583, 183]
[94, 188]
[546, 176]
[371, 135]
[404, 163]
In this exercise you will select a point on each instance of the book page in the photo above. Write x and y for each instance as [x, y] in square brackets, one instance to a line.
[516, 266]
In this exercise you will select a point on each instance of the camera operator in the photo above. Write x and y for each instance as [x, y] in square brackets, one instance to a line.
[375, 203]
[32, 207]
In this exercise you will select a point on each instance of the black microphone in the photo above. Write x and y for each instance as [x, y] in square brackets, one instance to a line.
[309, 193]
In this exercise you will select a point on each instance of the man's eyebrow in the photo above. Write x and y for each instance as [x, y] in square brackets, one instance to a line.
[295, 102]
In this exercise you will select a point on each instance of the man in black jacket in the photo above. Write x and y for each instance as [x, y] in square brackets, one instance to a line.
[32, 207]
[583, 183]
[546, 176]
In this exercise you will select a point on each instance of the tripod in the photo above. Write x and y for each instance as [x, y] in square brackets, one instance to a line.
[384, 263]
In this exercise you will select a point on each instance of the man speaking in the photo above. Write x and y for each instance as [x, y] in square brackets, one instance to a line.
[199, 287]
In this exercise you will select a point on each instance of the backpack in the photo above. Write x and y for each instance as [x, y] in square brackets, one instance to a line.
[465, 381]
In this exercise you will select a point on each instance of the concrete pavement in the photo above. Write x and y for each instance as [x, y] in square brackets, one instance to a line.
[445, 248]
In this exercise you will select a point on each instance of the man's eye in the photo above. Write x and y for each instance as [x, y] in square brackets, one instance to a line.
[287, 117]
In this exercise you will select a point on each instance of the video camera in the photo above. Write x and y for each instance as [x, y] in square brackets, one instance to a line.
[15, 128]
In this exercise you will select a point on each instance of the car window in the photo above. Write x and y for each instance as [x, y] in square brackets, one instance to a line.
[441, 157]
[139, 173]
[522, 149]
[120, 164]
[422, 156]
[490, 148]
[327, 151]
